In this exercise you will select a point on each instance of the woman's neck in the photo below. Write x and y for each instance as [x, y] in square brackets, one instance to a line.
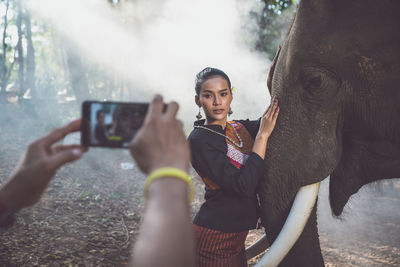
[222, 123]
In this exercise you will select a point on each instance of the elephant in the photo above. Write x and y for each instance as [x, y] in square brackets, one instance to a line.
[337, 79]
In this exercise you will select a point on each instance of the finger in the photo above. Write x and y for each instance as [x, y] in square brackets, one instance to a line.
[155, 107]
[59, 133]
[274, 106]
[266, 111]
[68, 155]
[269, 111]
[172, 110]
[58, 148]
[275, 117]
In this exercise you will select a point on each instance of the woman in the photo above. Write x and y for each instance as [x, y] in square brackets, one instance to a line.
[102, 130]
[228, 156]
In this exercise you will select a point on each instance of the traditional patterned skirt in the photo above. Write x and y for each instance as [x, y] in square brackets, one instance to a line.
[219, 249]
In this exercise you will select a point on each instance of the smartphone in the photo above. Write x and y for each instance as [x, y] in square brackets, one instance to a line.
[111, 124]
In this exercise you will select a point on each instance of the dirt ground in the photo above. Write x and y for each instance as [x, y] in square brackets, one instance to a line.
[91, 213]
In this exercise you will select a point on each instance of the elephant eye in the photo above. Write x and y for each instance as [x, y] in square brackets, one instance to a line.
[319, 84]
[314, 82]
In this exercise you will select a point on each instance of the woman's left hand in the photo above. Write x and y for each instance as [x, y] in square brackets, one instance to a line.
[268, 120]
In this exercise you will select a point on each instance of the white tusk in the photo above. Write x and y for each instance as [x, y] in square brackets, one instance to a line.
[257, 248]
[296, 221]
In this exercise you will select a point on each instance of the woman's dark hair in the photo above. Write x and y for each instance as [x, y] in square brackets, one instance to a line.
[208, 73]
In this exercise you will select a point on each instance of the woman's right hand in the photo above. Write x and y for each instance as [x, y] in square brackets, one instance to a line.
[268, 120]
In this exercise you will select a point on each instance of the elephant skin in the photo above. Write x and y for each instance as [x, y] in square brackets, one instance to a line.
[337, 79]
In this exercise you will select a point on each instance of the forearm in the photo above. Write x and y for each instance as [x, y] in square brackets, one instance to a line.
[12, 193]
[166, 237]
[260, 145]
[5, 197]
[6, 210]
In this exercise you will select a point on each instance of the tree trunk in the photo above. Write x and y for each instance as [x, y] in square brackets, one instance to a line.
[21, 71]
[30, 56]
[3, 59]
[77, 73]
[262, 24]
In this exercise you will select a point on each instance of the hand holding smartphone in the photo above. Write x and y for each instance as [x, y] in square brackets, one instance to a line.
[111, 124]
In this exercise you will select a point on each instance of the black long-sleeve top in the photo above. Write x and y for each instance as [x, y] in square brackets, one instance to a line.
[233, 207]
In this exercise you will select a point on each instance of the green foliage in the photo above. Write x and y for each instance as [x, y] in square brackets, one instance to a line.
[276, 6]
[273, 22]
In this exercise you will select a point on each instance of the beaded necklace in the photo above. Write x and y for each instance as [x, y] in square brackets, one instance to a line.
[240, 145]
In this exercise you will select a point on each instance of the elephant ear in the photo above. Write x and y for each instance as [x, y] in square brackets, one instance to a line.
[362, 162]
[271, 70]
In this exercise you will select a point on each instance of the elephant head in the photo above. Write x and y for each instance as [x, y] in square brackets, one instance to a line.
[337, 78]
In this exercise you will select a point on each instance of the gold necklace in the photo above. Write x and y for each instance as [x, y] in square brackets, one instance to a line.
[240, 145]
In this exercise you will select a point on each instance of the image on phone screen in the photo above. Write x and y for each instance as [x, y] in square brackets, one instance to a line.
[111, 124]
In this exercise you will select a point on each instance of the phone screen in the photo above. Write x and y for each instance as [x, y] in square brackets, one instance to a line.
[111, 124]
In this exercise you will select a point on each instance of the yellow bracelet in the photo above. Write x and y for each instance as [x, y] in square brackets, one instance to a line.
[167, 172]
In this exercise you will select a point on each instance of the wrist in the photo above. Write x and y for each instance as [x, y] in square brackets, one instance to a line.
[13, 193]
[8, 197]
[6, 210]
[262, 137]
[168, 187]
[169, 174]
[179, 165]
[6, 216]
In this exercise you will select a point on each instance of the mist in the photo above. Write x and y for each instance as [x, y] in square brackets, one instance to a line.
[159, 46]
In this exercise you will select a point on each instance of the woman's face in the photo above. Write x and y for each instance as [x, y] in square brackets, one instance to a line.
[215, 97]
[101, 118]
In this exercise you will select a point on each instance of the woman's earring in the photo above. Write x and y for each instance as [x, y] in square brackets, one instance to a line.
[230, 111]
[198, 116]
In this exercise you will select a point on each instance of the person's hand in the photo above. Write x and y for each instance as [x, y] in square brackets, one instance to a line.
[38, 166]
[161, 142]
[268, 120]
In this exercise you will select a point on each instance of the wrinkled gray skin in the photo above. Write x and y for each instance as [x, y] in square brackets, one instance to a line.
[337, 78]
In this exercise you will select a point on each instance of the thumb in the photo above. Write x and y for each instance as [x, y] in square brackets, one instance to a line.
[62, 157]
